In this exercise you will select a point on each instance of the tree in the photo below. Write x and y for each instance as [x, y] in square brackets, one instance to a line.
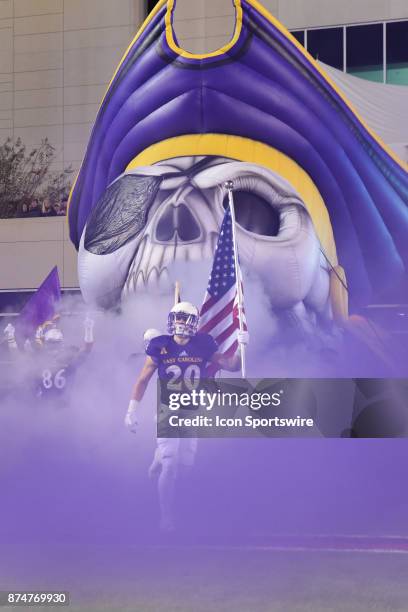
[24, 176]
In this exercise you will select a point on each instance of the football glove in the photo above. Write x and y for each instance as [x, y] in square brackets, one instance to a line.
[131, 416]
[88, 326]
[243, 337]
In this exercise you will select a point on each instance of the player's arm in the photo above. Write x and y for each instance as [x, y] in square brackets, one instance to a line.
[233, 363]
[138, 392]
[9, 337]
[143, 379]
[39, 337]
[88, 334]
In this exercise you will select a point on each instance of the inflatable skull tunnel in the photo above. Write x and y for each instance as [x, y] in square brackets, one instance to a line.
[321, 204]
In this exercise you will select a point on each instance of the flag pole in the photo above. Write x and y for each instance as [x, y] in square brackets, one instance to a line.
[176, 293]
[230, 186]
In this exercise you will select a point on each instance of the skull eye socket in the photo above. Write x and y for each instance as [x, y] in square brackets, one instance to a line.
[254, 213]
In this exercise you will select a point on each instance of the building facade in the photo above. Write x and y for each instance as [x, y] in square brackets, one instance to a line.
[58, 56]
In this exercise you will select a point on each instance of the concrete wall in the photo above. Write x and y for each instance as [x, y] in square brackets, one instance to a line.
[29, 248]
[56, 60]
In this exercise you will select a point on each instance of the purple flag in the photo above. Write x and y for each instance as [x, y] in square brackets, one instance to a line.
[41, 306]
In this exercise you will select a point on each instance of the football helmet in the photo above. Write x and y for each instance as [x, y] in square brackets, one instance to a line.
[149, 335]
[183, 320]
[53, 338]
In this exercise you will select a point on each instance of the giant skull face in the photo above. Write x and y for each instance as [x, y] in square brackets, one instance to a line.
[155, 216]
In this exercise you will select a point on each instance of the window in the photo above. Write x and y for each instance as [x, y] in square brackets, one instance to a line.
[326, 45]
[397, 53]
[365, 51]
[300, 36]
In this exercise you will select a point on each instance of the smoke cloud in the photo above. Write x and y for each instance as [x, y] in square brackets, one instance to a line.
[72, 474]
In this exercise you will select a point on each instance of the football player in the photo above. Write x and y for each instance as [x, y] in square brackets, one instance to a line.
[57, 360]
[181, 359]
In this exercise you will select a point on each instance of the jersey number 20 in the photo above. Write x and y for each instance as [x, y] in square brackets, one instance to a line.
[191, 377]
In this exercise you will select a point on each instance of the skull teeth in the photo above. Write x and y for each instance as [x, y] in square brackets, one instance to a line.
[140, 281]
[164, 279]
[153, 280]
[146, 275]
[153, 277]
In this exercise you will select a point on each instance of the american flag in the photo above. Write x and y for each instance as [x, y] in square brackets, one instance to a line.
[219, 312]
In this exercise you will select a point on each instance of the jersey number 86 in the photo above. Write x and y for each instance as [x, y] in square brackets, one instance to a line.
[58, 381]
